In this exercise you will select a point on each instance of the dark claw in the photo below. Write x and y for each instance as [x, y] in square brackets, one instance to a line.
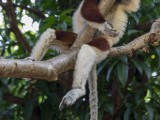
[62, 105]
[30, 58]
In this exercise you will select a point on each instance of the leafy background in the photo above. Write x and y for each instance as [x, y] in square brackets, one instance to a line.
[128, 86]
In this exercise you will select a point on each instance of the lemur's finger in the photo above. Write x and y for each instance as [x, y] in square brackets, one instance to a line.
[62, 104]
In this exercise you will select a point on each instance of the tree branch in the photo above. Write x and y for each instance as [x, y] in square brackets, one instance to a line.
[49, 69]
[13, 99]
[34, 11]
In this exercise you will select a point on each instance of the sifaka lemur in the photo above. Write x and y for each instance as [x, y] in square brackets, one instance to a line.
[112, 26]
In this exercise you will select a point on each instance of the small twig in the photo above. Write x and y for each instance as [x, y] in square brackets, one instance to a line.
[34, 11]
[145, 26]
[13, 99]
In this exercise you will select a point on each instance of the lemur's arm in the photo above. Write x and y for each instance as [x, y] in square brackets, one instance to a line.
[90, 11]
[92, 15]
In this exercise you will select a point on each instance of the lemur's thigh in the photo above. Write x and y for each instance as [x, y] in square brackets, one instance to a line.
[52, 38]
[63, 41]
[65, 37]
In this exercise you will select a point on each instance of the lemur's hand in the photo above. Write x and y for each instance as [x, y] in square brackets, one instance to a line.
[108, 29]
[71, 97]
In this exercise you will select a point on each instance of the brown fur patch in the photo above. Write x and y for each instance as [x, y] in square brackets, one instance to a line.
[66, 36]
[90, 11]
[100, 43]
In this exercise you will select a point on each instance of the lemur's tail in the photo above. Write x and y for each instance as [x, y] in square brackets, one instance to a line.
[93, 96]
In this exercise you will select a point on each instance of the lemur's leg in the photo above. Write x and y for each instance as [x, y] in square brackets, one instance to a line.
[90, 12]
[88, 55]
[50, 37]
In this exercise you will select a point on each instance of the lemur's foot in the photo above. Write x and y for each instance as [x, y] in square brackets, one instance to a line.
[71, 97]
[108, 29]
[49, 34]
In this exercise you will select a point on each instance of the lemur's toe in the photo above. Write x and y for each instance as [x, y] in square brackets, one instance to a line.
[51, 32]
[70, 98]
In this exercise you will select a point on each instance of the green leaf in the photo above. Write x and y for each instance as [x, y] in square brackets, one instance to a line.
[102, 65]
[123, 59]
[147, 70]
[150, 111]
[46, 111]
[138, 65]
[49, 22]
[158, 53]
[126, 114]
[109, 107]
[122, 70]
[110, 70]
[28, 108]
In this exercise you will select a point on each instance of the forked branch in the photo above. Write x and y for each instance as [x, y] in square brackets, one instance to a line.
[50, 69]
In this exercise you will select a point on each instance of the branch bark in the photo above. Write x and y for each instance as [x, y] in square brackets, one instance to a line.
[34, 11]
[49, 69]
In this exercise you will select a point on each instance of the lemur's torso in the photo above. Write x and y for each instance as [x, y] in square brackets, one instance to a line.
[117, 17]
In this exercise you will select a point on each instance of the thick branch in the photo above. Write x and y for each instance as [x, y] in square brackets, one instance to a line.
[47, 70]
[50, 69]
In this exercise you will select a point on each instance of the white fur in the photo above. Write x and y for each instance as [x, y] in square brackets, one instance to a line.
[71, 97]
[43, 44]
[133, 6]
[77, 20]
[118, 19]
[85, 60]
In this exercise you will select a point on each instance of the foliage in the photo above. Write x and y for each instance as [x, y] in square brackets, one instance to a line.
[128, 86]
